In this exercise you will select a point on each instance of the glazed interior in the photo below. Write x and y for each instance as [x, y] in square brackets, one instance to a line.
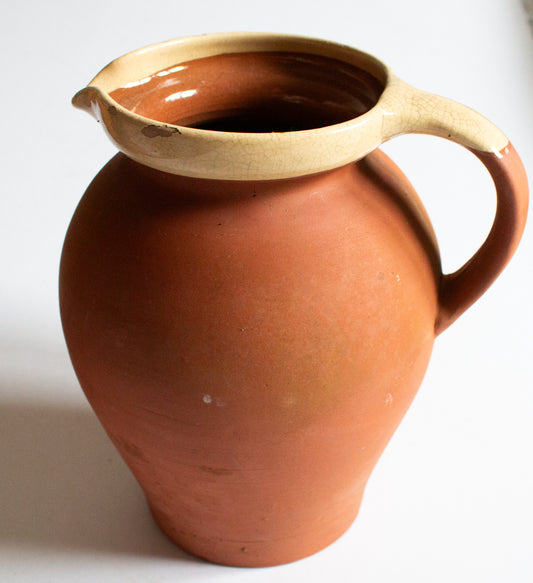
[232, 106]
[253, 92]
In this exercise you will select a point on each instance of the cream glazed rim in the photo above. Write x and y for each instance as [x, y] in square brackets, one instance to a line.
[205, 153]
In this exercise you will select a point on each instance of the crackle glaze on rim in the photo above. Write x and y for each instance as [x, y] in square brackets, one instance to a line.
[262, 156]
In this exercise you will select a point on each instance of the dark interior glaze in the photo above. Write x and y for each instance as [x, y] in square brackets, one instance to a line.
[254, 92]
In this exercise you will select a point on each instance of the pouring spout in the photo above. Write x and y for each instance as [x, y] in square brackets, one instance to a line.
[86, 99]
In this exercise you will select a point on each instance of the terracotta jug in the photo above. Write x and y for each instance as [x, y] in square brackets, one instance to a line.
[250, 290]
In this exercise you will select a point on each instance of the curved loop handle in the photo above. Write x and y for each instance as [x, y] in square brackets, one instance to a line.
[409, 110]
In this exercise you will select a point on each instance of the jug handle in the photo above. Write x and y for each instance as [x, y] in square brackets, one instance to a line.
[410, 110]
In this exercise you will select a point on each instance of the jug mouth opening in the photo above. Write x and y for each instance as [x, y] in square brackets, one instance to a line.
[253, 92]
[241, 105]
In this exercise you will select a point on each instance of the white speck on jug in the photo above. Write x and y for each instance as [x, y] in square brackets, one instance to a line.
[207, 399]
[388, 400]
[288, 400]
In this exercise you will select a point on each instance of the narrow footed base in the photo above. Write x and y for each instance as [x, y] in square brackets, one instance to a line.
[254, 553]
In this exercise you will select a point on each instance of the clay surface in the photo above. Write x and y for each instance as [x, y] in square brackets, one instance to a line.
[250, 347]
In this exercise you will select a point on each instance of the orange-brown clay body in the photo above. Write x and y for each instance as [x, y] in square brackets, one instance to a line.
[250, 347]
[250, 291]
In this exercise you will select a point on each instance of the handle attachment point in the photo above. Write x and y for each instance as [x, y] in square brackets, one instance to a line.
[409, 110]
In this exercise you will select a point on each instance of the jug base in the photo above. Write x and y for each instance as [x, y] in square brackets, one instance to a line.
[254, 553]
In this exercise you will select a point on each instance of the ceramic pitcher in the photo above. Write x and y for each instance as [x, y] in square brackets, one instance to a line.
[250, 290]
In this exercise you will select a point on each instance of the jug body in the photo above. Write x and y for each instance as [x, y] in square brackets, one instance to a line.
[250, 291]
[250, 347]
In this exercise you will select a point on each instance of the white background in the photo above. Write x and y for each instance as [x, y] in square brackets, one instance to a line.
[451, 498]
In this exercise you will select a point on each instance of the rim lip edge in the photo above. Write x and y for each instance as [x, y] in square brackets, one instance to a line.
[245, 38]
[173, 52]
